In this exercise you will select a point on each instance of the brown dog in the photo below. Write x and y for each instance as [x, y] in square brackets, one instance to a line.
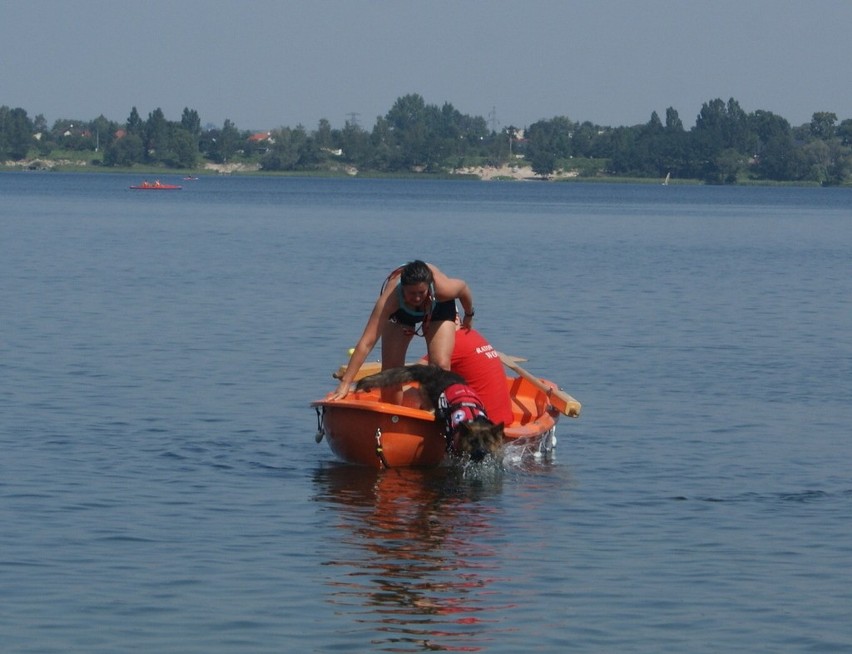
[467, 428]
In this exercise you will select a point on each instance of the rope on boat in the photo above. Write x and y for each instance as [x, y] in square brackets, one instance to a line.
[380, 452]
[320, 429]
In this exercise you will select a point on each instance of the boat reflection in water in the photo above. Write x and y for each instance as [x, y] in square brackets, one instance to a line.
[418, 554]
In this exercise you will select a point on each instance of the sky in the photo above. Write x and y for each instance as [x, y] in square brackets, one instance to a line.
[264, 64]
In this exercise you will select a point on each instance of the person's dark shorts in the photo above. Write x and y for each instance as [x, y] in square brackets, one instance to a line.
[443, 311]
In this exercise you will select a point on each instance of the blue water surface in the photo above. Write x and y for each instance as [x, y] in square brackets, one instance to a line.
[161, 490]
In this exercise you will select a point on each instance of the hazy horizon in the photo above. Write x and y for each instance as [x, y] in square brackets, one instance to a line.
[264, 63]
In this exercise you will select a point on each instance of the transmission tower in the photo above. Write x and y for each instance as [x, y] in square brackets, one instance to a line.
[492, 119]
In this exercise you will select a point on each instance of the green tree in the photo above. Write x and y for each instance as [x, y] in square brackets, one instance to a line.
[4, 136]
[728, 165]
[827, 161]
[673, 145]
[720, 126]
[673, 121]
[384, 153]
[323, 134]
[548, 142]
[183, 150]
[586, 135]
[844, 132]
[499, 147]
[767, 125]
[623, 151]
[841, 167]
[17, 132]
[554, 135]
[648, 157]
[738, 134]
[543, 163]
[426, 136]
[311, 155]
[42, 136]
[40, 124]
[103, 132]
[156, 136]
[355, 143]
[286, 150]
[818, 160]
[775, 150]
[472, 130]
[407, 120]
[72, 134]
[226, 143]
[125, 151]
[129, 148]
[135, 124]
[822, 125]
[778, 158]
[408, 112]
[190, 121]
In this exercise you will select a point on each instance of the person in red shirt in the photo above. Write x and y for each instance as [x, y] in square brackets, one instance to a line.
[477, 361]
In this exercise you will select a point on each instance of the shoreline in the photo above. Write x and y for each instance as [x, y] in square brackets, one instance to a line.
[506, 172]
[485, 173]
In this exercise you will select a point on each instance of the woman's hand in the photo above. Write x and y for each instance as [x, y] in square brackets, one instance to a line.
[341, 392]
[467, 320]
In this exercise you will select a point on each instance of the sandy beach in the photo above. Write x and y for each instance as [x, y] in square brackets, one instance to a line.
[521, 173]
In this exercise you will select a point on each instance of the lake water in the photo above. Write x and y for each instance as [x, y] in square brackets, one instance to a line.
[161, 490]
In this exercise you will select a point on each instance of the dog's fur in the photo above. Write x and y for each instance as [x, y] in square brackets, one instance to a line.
[476, 438]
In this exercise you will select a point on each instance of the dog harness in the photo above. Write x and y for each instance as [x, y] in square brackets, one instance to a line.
[457, 404]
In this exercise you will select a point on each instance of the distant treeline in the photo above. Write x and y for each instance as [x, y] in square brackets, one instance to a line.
[725, 145]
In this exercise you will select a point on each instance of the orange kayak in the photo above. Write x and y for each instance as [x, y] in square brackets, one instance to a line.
[364, 430]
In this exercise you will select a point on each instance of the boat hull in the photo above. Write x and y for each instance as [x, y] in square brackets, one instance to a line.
[363, 430]
[156, 187]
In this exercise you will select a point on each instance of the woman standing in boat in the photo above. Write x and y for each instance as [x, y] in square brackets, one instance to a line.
[418, 293]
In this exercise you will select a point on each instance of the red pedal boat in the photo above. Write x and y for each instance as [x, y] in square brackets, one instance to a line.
[156, 186]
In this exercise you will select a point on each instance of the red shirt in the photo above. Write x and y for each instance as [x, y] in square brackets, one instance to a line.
[476, 360]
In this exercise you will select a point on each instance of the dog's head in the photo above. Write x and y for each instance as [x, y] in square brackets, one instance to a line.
[478, 439]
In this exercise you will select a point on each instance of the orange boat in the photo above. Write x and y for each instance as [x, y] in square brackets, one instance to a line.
[156, 186]
[364, 430]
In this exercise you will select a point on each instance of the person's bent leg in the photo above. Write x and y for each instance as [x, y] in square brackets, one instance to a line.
[440, 340]
[395, 340]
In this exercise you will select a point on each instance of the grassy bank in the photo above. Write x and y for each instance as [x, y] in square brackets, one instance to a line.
[71, 162]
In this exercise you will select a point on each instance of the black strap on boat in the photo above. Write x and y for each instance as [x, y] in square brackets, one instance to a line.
[320, 430]
[380, 452]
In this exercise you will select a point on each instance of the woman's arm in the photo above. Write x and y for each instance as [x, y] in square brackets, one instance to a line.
[449, 288]
[384, 307]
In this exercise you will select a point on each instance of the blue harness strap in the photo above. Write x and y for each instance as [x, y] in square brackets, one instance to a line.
[420, 315]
